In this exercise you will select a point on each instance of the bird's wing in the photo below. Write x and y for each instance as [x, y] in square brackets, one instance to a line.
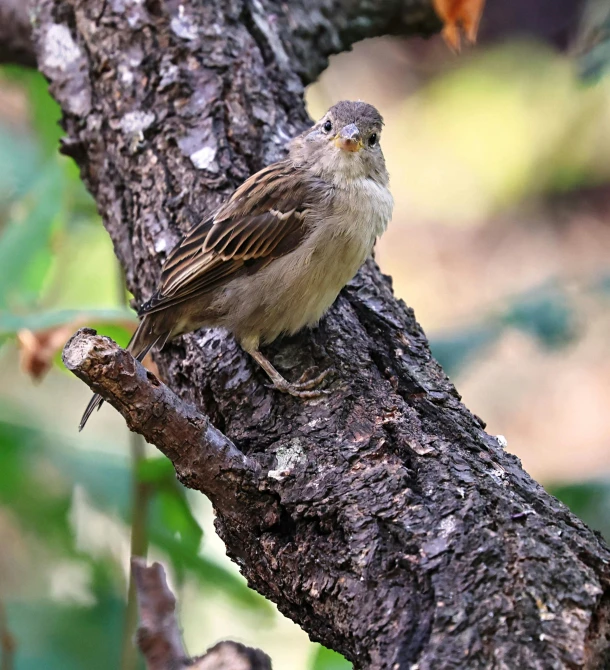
[264, 219]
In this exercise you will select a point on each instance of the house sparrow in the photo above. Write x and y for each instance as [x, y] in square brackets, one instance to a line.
[274, 257]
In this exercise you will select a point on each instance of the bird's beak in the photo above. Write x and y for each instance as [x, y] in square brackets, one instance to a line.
[349, 138]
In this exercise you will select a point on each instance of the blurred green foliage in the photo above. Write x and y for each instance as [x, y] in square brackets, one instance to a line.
[64, 636]
[326, 659]
[595, 47]
[588, 500]
[38, 478]
[545, 313]
[45, 218]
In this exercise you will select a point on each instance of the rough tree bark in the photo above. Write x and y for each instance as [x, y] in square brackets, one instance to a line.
[383, 519]
[16, 33]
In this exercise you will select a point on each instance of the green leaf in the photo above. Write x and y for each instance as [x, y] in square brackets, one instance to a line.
[46, 113]
[19, 164]
[114, 331]
[70, 636]
[26, 239]
[545, 314]
[211, 575]
[594, 48]
[25, 466]
[60, 634]
[173, 518]
[104, 319]
[170, 512]
[455, 350]
[105, 477]
[588, 500]
[326, 659]
[172, 528]
[158, 470]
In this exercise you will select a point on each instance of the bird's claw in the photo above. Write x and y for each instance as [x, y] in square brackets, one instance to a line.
[304, 387]
[304, 382]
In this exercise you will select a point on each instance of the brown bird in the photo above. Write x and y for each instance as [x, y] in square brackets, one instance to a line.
[274, 257]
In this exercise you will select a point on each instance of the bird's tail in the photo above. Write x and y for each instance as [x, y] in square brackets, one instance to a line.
[142, 341]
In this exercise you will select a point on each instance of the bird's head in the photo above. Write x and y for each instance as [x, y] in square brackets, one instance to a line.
[344, 144]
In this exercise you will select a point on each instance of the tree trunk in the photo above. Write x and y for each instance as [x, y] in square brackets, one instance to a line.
[382, 518]
[16, 33]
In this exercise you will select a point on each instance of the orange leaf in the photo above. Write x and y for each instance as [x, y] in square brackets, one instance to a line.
[458, 16]
[38, 348]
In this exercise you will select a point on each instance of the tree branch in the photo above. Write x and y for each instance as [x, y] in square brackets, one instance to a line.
[353, 20]
[383, 519]
[177, 429]
[158, 634]
[310, 32]
[159, 638]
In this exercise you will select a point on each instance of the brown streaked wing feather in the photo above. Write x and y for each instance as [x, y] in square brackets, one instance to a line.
[264, 219]
[191, 244]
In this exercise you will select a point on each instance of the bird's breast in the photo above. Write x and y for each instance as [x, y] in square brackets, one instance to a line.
[295, 290]
[308, 280]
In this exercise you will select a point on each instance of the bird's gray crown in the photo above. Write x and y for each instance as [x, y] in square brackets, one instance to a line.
[360, 113]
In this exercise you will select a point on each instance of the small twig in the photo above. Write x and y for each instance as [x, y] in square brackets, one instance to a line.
[7, 642]
[140, 494]
[158, 634]
[139, 547]
[177, 428]
[159, 637]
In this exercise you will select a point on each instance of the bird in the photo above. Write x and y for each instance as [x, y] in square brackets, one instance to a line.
[276, 254]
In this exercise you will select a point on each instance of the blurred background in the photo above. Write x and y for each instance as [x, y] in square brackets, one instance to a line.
[500, 167]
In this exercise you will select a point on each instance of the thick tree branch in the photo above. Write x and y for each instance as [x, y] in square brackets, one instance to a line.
[16, 44]
[335, 24]
[311, 31]
[204, 458]
[384, 519]
[159, 638]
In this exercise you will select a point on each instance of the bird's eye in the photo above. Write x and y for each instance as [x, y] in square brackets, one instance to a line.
[328, 126]
[373, 140]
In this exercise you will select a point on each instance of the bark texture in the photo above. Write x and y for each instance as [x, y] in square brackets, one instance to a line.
[16, 33]
[389, 525]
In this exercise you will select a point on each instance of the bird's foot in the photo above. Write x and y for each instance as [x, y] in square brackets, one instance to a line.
[304, 387]
[306, 381]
